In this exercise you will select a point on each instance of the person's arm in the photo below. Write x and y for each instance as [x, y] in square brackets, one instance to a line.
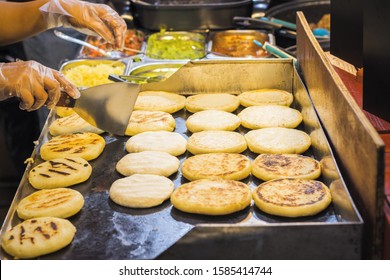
[20, 20]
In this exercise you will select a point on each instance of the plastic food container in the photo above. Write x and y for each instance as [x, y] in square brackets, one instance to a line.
[239, 43]
[176, 45]
[134, 39]
[189, 14]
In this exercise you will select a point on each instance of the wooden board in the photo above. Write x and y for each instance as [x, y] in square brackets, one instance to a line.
[358, 147]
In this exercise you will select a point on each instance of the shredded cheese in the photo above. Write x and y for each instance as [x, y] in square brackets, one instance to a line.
[92, 75]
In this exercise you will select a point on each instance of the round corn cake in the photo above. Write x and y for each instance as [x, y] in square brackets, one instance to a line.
[213, 141]
[212, 120]
[141, 190]
[212, 101]
[277, 140]
[341, 198]
[291, 197]
[59, 173]
[163, 141]
[141, 121]
[160, 101]
[276, 166]
[72, 124]
[38, 236]
[86, 145]
[64, 111]
[60, 203]
[255, 117]
[212, 197]
[148, 162]
[329, 168]
[266, 97]
[216, 165]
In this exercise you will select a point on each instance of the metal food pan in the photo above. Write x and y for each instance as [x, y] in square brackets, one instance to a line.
[93, 62]
[164, 232]
[140, 45]
[176, 45]
[189, 14]
[239, 43]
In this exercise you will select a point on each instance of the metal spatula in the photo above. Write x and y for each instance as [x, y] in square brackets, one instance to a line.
[107, 107]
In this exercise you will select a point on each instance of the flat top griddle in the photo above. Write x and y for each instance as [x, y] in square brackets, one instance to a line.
[106, 230]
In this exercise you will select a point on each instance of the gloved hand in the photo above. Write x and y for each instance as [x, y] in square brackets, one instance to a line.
[88, 18]
[34, 84]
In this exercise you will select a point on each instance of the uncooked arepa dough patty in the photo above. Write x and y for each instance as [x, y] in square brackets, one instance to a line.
[266, 97]
[86, 145]
[212, 197]
[163, 141]
[148, 162]
[292, 197]
[38, 236]
[141, 190]
[59, 173]
[276, 166]
[216, 165]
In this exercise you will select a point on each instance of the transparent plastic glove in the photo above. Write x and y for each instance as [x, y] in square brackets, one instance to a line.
[88, 18]
[34, 84]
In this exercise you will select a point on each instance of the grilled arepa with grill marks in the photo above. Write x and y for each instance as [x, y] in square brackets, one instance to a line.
[266, 97]
[86, 145]
[212, 197]
[215, 141]
[212, 101]
[60, 203]
[38, 236]
[72, 124]
[276, 166]
[141, 121]
[60, 172]
[292, 197]
[216, 165]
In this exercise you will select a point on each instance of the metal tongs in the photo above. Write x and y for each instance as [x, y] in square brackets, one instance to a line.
[135, 78]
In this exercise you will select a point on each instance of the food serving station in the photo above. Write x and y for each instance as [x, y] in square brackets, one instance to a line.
[210, 54]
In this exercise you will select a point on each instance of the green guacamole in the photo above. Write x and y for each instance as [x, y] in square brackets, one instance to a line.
[176, 45]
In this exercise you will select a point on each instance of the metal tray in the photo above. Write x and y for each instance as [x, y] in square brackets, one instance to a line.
[188, 14]
[109, 231]
[239, 43]
[153, 71]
